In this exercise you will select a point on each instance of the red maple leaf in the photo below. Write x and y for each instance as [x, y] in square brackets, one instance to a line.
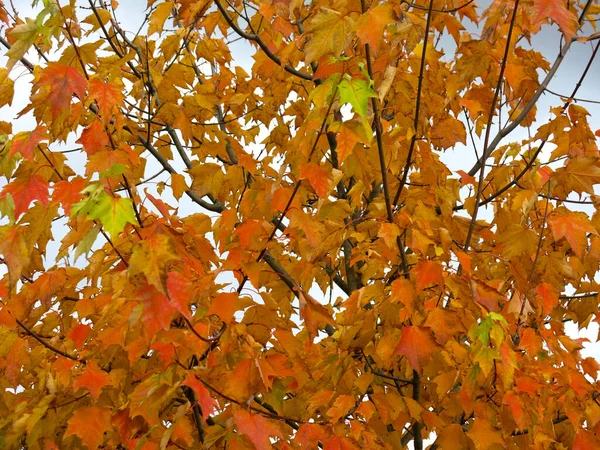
[25, 190]
[64, 82]
[258, 429]
[68, 192]
[94, 138]
[24, 143]
[89, 423]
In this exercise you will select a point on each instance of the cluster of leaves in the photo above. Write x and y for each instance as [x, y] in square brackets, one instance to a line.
[180, 317]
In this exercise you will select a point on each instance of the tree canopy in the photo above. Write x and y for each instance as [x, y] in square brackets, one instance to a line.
[201, 255]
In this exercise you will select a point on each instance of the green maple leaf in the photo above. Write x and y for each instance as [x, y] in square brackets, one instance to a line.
[112, 212]
[357, 92]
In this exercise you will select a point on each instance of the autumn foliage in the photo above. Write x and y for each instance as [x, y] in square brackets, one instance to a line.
[366, 238]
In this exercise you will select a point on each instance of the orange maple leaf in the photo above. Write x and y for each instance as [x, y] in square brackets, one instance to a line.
[558, 12]
[89, 423]
[94, 138]
[574, 227]
[15, 251]
[428, 273]
[93, 379]
[258, 429]
[318, 178]
[107, 95]
[68, 192]
[417, 344]
[314, 314]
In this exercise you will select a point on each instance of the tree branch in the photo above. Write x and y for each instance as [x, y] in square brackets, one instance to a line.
[543, 86]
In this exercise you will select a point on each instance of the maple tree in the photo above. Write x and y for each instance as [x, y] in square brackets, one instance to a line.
[304, 270]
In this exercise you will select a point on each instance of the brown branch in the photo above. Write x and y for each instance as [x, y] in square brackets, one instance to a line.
[488, 130]
[253, 37]
[416, 395]
[543, 86]
[294, 192]
[575, 99]
[209, 340]
[413, 140]
[378, 131]
[23, 60]
[214, 207]
[34, 335]
[196, 411]
[255, 409]
[571, 98]
[577, 296]
[424, 8]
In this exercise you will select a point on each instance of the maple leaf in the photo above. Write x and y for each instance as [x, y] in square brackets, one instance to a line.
[585, 440]
[79, 334]
[150, 257]
[89, 423]
[318, 177]
[25, 142]
[93, 379]
[518, 241]
[258, 429]
[158, 17]
[64, 82]
[349, 134]
[7, 88]
[371, 25]
[226, 304]
[579, 175]
[404, 292]
[207, 403]
[108, 96]
[158, 310]
[94, 138]
[449, 132]
[517, 408]
[549, 297]
[23, 35]
[417, 344]
[485, 436]
[180, 292]
[357, 92]
[427, 273]
[314, 314]
[558, 12]
[68, 192]
[114, 213]
[575, 228]
[148, 397]
[310, 434]
[486, 295]
[13, 248]
[26, 190]
[330, 33]
[451, 436]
